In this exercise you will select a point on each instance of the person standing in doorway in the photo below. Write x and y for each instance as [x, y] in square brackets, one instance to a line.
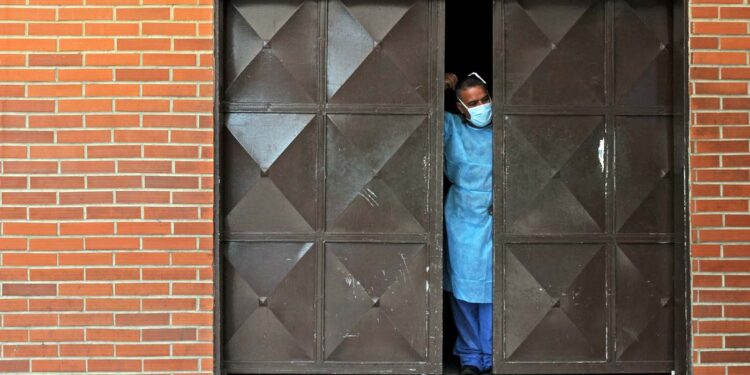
[468, 221]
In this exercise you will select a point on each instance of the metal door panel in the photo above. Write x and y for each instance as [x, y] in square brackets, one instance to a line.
[377, 180]
[271, 180]
[590, 160]
[555, 303]
[272, 49]
[555, 174]
[644, 52]
[376, 52]
[375, 301]
[644, 175]
[645, 300]
[330, 114]
[271, 306]
[560, 42]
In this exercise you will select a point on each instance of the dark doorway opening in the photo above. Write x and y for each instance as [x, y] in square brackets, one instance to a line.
[468, 48]
[468, 41]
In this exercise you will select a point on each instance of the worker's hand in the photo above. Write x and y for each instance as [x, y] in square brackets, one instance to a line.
[450, 81]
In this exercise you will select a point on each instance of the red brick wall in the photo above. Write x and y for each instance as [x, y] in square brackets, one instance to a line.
[720, 186]
[106, 185]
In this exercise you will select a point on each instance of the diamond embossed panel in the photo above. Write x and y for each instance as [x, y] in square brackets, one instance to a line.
[270, 163]
[377, 52]
[269, 294]
[592, 242]
[554, 52]
[271, 51]
[643, 52]
[644, 175]
[377, 173]
[375, 301]
[645, 303]
[328, 147]
[555, 174]
[555, 303]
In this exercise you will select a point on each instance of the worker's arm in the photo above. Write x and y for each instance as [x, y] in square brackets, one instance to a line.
[450, 81]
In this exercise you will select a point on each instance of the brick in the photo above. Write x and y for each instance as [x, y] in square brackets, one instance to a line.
[172, 90]
[29, 289]
[721, 58]
[114, 151]
[86, 259]
[722, 88]
[193, 14]
[168, 304]
[29, 259]
[87, 13]
[721, 205]
[21, 75]
[34, 350]
[145, 166]
[30, 229]
[143, 228]
[87, 44]
[170, 213]
[113, 304]
[86, 197]
[719, 28]
[111, 243]
[142, 319]
[169, 59]
[169, 334]
[169, 243]
[112, 90]
[170, 364]
[65, 304]
[112, 59]
[108, 334]
[111, 29]
[142, 350]
[85, 75]
[113, 212]
[141, 289]
[28, 319]
[56, 121]
[142, 258]
[735, 73]
[143, 197]
[58, 365]
[14, 305]
[114, 365]
[56, 335]
[112, 182]
[14, 365]
[86, 319]
[85, 289]
[87, 350]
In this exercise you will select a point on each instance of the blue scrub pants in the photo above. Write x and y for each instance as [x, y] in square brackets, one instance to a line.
[474, 324]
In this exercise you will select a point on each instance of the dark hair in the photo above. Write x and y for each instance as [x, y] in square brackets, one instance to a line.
[467, 83]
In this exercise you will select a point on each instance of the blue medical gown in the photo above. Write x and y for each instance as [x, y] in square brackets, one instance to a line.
[468, 223]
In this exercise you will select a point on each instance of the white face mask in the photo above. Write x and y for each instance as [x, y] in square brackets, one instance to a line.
[480, 115]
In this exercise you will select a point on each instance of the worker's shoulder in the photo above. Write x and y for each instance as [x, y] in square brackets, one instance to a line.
[451, 118]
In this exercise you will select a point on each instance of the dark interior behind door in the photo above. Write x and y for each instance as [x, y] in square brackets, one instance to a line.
[330, 208]
[590, 149]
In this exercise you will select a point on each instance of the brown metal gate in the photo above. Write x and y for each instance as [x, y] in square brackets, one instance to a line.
[590, 156]
[330, 206]
[329, 201]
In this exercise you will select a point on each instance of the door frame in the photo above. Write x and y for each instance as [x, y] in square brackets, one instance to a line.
[681, 250]
[682, 280]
